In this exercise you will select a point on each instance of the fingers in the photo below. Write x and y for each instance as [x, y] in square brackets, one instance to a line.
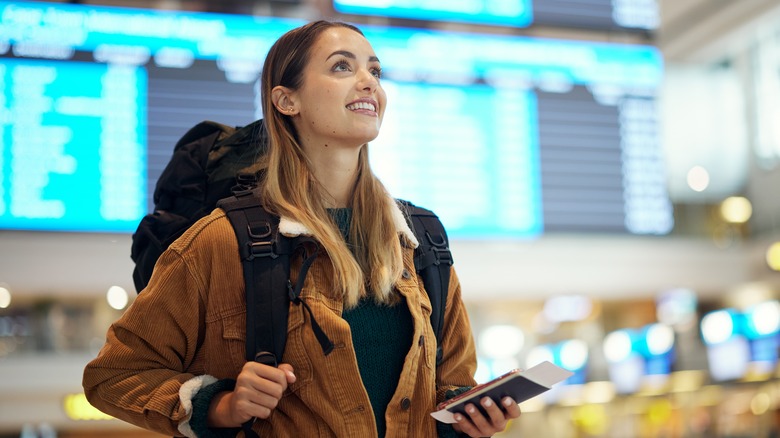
[495, 414]
[259, 388]
[477, 424]
[289, 372]
[511, 407]
[464, 425]
[267, 379]
[248, 403]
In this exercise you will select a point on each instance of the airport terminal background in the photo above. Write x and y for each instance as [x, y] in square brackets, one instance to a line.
[608, 171]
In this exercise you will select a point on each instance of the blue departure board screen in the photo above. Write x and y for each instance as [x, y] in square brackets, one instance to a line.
[594, 14]
[74, 147]
[502, 136]
[473, 172]
[509, 13]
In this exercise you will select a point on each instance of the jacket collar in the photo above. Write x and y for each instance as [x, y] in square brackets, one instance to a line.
[292, 228]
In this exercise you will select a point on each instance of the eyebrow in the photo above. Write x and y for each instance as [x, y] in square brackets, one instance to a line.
[350, 55]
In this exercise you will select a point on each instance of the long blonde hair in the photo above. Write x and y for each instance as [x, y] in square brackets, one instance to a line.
[289, 188]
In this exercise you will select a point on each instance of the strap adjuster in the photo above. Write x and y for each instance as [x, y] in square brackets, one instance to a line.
[245, 185]
[442, 255]
[440, 249]
[261, 243]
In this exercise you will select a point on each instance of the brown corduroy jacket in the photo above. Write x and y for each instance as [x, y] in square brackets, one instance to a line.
[187, 330]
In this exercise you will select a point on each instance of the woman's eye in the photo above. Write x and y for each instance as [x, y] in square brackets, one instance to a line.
[341, 66]
[377, 72]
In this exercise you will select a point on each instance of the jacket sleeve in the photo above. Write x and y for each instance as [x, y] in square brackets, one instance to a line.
[139, 374]
[459, 360]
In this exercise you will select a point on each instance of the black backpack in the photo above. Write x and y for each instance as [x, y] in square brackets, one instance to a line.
[201, 171]
[214, 165]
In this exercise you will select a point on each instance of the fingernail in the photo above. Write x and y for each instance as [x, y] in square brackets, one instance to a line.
[507, 402]
[487, 402]
[458, 417]
[471, 409]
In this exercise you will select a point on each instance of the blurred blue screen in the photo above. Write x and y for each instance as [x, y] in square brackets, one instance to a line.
[594, 14]
[502, 136]
[509, 13]
[73, 145]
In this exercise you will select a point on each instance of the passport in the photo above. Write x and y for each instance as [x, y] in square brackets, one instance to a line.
[520, 385]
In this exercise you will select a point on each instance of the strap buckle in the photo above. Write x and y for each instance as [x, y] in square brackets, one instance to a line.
[245, 184]
[261, 243]
[442, 256]
[440, 249]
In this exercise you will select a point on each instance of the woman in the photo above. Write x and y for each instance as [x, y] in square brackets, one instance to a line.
[174, 362]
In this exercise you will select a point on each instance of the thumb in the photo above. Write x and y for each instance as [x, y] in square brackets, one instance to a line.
[288, 371]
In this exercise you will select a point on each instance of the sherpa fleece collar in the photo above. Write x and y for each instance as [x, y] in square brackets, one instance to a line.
[291, 228]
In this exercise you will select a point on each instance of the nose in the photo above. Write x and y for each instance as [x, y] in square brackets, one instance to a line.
[367, 81]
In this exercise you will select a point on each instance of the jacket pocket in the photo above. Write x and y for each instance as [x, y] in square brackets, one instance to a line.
[223, 346]
[234, 336]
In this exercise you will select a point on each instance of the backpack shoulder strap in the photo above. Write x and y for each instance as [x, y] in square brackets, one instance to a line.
[265, 256]
[432, 260]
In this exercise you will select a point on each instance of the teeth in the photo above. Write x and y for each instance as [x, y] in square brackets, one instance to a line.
[361, 105]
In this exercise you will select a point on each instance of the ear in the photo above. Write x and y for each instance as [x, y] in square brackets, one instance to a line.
[284, 100]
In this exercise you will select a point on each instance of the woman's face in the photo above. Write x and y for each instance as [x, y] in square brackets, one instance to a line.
[341, 101]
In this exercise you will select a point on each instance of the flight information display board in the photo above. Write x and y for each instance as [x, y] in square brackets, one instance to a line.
[73, 145]
[505, 137]
[595, 14]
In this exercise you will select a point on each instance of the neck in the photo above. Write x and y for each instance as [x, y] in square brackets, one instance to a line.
[336, 171]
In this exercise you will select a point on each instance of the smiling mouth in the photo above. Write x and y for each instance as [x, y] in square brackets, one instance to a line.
[361, 105]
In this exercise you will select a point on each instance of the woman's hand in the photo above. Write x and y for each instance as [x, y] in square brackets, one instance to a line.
[258, 390]
[477, 425]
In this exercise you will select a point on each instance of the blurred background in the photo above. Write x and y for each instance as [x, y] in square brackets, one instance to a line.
[607, 171]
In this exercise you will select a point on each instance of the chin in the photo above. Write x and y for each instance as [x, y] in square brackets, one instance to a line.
[367, 137]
